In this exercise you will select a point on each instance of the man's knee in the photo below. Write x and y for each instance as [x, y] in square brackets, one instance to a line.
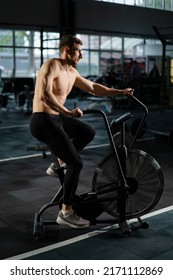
[91, 134]
[75, 164]
[78, 163]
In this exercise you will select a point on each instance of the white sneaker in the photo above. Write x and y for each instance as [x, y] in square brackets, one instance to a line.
[53, 170]
[72, 220]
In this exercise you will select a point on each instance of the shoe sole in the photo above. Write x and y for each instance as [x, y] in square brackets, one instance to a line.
[51, 173]
[62, 222]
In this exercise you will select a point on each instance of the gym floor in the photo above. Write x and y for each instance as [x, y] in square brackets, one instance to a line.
[25, 188]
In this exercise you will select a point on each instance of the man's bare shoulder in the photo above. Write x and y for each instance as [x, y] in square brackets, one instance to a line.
[51, 66]
[74, 71]
[52, 62]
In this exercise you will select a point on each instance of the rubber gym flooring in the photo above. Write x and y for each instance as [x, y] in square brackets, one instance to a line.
[25, 188]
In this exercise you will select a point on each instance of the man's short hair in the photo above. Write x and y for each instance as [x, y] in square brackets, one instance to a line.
[69, 41]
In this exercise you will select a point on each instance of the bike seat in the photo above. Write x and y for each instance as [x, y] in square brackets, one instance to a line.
[122, 118]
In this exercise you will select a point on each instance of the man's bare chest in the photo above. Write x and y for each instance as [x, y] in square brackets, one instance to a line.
[64, 83]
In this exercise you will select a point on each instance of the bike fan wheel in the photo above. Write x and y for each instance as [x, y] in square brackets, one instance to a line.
[117, 139]
[144, 179]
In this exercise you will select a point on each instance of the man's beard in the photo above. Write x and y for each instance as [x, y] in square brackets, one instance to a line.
[72, 63]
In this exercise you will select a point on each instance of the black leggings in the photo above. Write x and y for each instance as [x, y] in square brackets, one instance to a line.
[65, 137]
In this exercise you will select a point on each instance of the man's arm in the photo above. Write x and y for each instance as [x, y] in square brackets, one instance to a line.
[98, 89]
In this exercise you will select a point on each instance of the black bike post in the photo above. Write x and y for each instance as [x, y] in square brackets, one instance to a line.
[122, 190]
[122, 184]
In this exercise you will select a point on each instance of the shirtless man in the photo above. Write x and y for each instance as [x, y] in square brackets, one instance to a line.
[56, 125]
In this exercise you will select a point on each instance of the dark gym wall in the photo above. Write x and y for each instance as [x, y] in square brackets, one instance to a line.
[88, 15]
[32, 13]
[125, 19]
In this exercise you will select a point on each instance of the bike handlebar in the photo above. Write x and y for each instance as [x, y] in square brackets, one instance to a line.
[142, 119]
[96, 111]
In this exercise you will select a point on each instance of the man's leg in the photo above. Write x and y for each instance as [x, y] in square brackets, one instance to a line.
[63, 147]
[80, 132]
[50, 129]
